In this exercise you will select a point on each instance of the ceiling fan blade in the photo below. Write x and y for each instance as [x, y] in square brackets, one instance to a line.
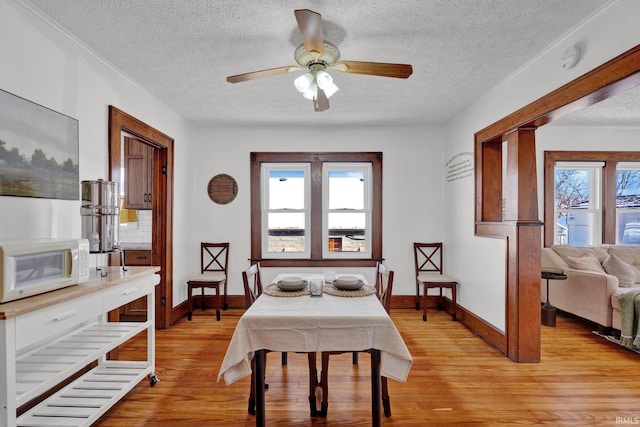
[383, 69]
[321, 103]
[263, 73]
[310, 25]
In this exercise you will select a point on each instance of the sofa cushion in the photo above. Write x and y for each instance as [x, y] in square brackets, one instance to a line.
[600, 252]
[630, 255]
[587, 262]
[624, 272]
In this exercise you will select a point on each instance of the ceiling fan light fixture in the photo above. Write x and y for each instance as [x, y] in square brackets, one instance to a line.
[306, 85]
[304, 82]
[325, 82]
[311, 93]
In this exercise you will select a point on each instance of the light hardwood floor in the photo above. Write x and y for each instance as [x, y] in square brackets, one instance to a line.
[456, 379]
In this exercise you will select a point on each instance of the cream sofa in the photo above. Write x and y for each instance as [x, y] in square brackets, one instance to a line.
[592, 290]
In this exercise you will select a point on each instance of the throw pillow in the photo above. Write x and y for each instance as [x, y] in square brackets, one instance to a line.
[587, 262]
[624, 272]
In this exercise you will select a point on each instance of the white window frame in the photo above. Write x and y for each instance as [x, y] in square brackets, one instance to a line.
[595, 199]
[267, 168]
[367, 209]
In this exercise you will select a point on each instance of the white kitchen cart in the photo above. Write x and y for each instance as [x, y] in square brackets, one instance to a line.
[50, 337]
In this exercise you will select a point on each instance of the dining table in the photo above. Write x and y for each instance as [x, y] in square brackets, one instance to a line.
[338, 320]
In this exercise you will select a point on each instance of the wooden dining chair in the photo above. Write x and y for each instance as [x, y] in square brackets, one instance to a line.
[252, 282]
[384, 288]
[429, 275]
[214, 259]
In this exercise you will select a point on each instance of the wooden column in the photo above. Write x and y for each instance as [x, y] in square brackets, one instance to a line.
[521, 229]
[521, 183]
[523, 264]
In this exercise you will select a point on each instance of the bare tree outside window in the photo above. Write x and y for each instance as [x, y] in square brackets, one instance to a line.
[571, 188]
[575, 211]
[628, 182]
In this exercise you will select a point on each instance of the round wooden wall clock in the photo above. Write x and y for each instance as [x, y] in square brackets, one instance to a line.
[222, 189]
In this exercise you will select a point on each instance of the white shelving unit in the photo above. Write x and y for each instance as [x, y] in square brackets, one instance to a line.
[51, 337]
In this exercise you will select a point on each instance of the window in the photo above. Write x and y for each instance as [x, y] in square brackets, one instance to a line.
[628, 203]
[577, 203]
[286, 210]
[346, 210]
[311, 209]
[592, 197]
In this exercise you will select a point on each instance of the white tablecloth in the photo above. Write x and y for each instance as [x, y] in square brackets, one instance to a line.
[308, 324]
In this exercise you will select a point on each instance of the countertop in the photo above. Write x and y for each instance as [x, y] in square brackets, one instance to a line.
[140, 246]
[114, 276]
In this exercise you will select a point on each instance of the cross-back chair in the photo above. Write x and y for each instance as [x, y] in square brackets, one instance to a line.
[429, 275]
[214, 259]
[252, 282]
[384, 288]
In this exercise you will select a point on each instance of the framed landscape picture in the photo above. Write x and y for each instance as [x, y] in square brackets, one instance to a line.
[39, 151]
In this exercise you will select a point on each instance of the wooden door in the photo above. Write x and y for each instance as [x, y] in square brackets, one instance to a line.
[138, 161]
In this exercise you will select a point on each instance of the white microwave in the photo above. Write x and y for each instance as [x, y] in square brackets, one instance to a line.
[35, 266]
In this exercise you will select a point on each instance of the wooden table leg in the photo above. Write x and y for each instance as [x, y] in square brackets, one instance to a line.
[376, 419]
[313, 384]
[259, 359]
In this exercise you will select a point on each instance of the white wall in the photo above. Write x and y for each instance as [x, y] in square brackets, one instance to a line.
[412, 185]
[45, 66]
[479, 262]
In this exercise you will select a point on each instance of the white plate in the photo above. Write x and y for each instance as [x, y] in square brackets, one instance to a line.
[348, 283]
[347, 280]
[292, 281]
[293, 286]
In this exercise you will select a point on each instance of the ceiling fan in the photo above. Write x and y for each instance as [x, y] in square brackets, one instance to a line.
[317, 55]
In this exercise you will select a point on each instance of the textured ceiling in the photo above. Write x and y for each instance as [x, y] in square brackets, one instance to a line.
[621, 110]
[181, 51]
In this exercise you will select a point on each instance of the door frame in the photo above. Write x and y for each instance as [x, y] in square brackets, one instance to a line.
[162, 201]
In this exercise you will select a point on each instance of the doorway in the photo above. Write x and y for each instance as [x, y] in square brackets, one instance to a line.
[120, 123]
[521, 340]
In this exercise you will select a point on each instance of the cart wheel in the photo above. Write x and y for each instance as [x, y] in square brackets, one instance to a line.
[153, 379]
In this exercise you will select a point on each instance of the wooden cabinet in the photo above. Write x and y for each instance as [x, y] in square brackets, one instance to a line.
[135, 311]
[137, 257]
[50, 337]
[138, 179]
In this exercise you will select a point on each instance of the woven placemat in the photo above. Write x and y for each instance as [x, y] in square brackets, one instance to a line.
[362, 292]
[273, 290]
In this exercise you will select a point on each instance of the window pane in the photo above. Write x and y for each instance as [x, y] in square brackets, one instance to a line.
[347, 232]
[562, 231]
[572, 188]
[286, 232]
[629, 228]
[286, 189]
[628, 206]
[627, 185]
[285, 220]
[579, 227]
[346, 189]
